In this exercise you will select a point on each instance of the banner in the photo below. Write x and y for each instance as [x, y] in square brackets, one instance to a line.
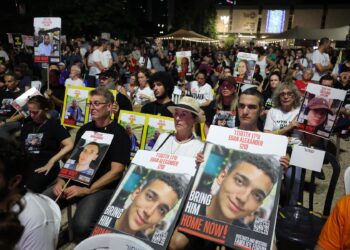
[155, 126]
[244, 67]
[20, 103]
[86, 157]
[134, 123]
[234, 199]
[147, 203]
[47, 39]
[319, 110]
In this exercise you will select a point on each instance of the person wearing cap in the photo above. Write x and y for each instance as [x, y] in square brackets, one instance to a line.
[182, 142]
[317, 112]
[163, 87]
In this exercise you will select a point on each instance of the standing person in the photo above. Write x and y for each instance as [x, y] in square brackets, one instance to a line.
[300, 64]
[200, 90]
[92, 199]
[163, 87]
[96, 66]
[46, 141]
[263, 61]
[39, 215]
[320, 60]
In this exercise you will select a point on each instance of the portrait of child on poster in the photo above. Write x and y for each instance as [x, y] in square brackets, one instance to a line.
[319, 110]
[134, 124]
[234, 199]
[157, 125]
[244, 67]
[86, 157]
[20, 103]
[148, 201]
[75, 106]
[47, 37]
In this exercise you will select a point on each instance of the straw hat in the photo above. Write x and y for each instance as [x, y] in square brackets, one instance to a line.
[189, 104]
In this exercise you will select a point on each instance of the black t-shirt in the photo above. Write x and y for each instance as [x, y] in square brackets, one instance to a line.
[155, 108]
[42, 141]
[123, 102]
[119, 150]
[6, 98]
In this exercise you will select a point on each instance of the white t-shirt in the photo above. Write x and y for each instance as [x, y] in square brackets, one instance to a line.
[263, 64]
[172, 146]
[201, 93]
[106, 56]
[41, 218]
[4, 55]
[277, 119]
[321, 58]
[77, 82]
[145, 91]
[96, 57]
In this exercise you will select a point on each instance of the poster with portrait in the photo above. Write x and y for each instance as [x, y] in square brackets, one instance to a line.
[244, 67]
[149, 199]
[134, 124]
[47, 36]
[20, 103]
[234, 199]
[86, 157]
[28, 40]
[319, 110]
[155, 126]
[75, 107]
[183, 63]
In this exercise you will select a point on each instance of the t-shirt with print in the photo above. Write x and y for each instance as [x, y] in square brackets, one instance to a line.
[201, 93]
[6, 98]
[118, 151]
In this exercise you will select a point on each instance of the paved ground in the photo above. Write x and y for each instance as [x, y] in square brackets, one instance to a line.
[321, 190]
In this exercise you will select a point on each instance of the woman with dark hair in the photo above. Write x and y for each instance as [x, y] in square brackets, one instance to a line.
[46, 141]
[144, 93]
[273, 81]
[243, 71]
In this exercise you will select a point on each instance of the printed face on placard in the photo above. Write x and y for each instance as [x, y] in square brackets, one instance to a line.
[241, 191]
[150, 205]
[88, 154]
[316, 117]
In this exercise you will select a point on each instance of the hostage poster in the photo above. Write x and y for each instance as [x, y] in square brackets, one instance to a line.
[86, 157]
[47, 37]
[319, 110]
[244, 67]
[183, 62]
[147, 203]
[20, 103]
[157, 125]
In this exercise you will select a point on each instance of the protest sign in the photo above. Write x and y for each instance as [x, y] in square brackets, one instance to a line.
[308, 158]
[75, 108]
[183, 62]
[147, 203]
[20, 103]
[47, 37]
[28, 40]
[17, 40]
[86, 157]
[134, 123]
[155, 126]
[244, 67]
[234, 199]
[319, 110]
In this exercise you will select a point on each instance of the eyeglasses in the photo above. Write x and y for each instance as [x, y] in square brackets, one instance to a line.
[228, 86]
[287, 94]
[249, 106]
[96, 104]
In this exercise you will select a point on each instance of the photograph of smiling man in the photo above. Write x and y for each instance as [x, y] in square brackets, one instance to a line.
[147, 203]
[234, 197]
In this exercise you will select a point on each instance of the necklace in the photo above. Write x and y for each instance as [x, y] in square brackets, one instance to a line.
[179, 143]
[37, 128]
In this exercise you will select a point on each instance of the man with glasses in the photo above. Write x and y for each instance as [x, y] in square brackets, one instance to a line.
[92, 199]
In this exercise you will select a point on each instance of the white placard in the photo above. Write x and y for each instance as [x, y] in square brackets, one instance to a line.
[253, 142]
[308, 158]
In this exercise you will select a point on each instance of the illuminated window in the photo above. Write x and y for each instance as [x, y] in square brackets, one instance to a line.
[275, 21]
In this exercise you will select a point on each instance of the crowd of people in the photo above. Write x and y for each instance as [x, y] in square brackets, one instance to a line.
[147, 79]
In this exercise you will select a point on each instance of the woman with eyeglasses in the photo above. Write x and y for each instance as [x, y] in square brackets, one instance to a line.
[282, 118]
[46, 141]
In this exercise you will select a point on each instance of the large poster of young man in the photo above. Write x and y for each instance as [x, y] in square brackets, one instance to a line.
[47, 36]
[234, 199]
[319, 110]
[183, 63]
[147, 203]
[244, 67]
[86, 157]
